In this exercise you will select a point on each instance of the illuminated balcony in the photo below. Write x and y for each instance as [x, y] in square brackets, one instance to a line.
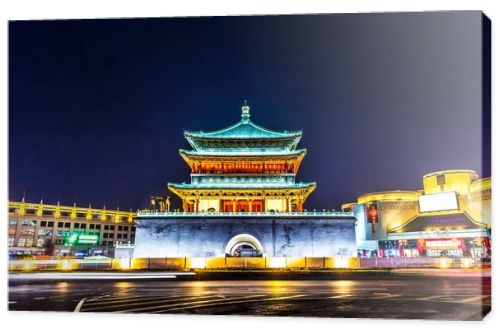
[319, 214]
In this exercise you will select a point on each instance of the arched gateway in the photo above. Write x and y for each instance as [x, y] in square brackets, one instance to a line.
[244, 245]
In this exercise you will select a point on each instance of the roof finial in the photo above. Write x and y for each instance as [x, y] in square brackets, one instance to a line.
[245, 110]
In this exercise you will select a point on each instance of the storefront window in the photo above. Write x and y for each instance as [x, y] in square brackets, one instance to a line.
[28, 227]
[12, 226]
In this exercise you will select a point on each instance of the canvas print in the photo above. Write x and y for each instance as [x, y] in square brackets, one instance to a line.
[334, 165]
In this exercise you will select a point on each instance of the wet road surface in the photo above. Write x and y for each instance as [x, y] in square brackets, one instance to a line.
[400, 296]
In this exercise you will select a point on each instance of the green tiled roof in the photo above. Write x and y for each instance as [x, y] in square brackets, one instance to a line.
[243, 186]
[242, 152]
[244, 129]
[244, 135]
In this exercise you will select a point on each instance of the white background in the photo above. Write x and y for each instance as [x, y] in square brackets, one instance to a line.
[38, 322]
[438, 202]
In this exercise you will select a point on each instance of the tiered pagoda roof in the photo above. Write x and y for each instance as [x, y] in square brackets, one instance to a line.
[242, 160]
[243, 136]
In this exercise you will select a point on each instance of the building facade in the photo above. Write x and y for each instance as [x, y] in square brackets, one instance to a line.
[58, 230]
[450, 216]
[243, 200]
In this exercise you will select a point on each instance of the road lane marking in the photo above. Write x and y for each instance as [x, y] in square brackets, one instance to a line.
[82, 276]
[224, 303]
[144, 300]
[447, 299]
[162, 300]
[184, 304]
[98, 297]
[473, 299]
[338, 297]
[384, 295]
[80, 304]
[431, 298]
[131, 298]
[458, 302]
[114, 296]
[66, 296]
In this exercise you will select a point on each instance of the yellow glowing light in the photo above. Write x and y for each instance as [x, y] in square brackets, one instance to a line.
[198, 263]
[343, 286]
[65, 265]
[122, 285]
[62, 286]
[466, 262]
[138, 263]
[276, 262]
[277, 287]
[341, 262]
[27, 265]
[125, 263]
[444, 263]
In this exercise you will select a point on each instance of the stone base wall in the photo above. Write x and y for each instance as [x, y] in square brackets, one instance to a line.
[208, 237]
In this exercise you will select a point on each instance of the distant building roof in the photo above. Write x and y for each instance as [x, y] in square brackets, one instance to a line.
[451, 171]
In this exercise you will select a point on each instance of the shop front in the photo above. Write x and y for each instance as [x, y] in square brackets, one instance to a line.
[475, 247]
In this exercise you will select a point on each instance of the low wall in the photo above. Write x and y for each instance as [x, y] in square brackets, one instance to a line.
[237, 263]
[278, 237]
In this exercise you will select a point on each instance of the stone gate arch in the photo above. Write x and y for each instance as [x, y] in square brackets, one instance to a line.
[242, 240]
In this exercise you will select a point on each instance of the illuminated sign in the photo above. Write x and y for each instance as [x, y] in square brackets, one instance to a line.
[77, 238]
[372, 214]
[438, 202]
[443, 244]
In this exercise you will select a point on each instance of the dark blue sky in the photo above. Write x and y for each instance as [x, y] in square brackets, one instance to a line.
[97, 107]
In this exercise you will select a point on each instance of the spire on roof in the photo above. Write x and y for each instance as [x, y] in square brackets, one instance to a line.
[245, 111]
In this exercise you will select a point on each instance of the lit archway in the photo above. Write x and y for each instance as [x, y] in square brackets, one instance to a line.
[244, 245]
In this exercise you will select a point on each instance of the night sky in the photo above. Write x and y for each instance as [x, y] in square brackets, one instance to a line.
[97, 108]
